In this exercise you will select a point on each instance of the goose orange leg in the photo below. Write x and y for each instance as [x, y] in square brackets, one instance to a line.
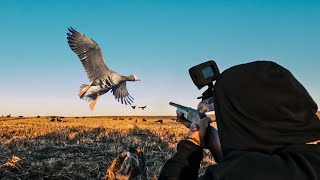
[93, 103]
[84, 90]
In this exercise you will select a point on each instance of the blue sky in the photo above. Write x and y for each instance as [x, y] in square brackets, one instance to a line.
[155, 40]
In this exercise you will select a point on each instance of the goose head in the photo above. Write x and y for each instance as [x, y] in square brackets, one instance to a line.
[133, 78]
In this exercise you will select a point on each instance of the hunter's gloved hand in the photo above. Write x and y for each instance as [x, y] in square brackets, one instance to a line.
[196, 132]
[203, 135]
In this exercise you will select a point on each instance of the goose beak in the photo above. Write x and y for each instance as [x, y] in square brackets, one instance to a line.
[136, 78]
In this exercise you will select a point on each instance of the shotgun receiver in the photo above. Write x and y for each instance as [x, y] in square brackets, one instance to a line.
[191, 115]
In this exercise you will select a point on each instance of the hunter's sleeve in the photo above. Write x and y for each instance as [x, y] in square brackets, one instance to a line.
[184, 164]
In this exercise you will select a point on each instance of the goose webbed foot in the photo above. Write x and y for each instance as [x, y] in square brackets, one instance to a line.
[93, 103]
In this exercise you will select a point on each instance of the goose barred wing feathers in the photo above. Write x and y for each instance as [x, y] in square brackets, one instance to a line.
[121, 92]
[89, 53]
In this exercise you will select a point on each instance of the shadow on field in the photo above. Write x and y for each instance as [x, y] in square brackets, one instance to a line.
[74, 153]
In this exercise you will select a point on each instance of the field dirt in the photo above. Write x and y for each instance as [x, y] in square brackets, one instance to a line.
[83, 147]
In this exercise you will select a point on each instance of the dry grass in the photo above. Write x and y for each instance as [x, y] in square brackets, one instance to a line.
[83, 148]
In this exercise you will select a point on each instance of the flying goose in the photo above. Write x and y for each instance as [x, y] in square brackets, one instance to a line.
[142, 107]
[101, 77]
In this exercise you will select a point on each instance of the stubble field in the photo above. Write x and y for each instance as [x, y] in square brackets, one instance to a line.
[83, 148]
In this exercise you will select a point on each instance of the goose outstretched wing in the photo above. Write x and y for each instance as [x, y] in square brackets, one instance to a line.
[89, 53]
[120, 92]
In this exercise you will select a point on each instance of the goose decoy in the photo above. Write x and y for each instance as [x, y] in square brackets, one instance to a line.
[102, 78]
[128, 165]
[160, 121]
